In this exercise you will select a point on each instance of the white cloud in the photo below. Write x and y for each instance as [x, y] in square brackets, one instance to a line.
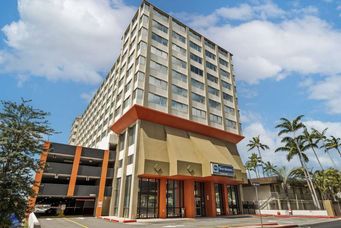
[64, 39]
[327, 90]
[88, 96]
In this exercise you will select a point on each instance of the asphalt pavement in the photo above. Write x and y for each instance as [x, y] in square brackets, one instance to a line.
[218, 222]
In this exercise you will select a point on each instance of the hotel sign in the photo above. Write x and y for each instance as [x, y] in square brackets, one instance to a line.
[222, 170]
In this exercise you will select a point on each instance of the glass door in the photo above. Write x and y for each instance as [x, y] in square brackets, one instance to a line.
[219, 199]
[199, 196]
[233, 199]
[148, 205]
[174, 198]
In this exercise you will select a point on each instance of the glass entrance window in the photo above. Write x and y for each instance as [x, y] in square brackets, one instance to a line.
[199, 196]
[175, 192]
[148, 205]
[233, 199]
[219, 199]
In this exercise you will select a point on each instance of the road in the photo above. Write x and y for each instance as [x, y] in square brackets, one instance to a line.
[91, 222]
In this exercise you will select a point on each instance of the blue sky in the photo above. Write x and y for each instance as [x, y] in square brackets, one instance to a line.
[286, 56]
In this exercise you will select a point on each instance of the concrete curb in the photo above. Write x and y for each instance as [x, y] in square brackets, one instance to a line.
[118, 220]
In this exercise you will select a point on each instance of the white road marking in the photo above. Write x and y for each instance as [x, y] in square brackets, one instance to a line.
[49, 219]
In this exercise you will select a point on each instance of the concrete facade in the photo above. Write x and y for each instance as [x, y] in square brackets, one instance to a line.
[169, 107]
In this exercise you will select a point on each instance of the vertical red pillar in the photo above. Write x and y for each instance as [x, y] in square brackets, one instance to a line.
[39, 174]
[226, 199]
[189, 201]
[102, 183]
[211, 210]
[162, 198]
[74, 172]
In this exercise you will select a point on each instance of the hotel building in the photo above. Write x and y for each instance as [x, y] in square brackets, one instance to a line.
[169, 109]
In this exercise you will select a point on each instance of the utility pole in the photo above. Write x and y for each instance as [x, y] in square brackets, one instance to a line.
[256, 184]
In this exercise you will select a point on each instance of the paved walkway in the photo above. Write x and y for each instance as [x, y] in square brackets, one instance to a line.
[219, 222]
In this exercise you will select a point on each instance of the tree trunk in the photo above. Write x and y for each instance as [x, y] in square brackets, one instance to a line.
[260, 155]
[331, 159]
[338, 150]
[318, 160]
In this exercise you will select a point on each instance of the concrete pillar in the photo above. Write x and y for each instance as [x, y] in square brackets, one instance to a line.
[189, 201]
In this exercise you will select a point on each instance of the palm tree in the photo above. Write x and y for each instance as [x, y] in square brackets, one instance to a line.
[256, 143]
[269, 168]
[294, 146]
[253, 163]
[287, 177]
[311, 141]
[321, 137]
[333, 143]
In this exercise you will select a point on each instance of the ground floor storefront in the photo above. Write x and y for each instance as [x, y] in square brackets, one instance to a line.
[175, 198]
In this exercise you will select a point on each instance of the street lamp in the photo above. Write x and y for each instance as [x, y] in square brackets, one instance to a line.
[256, 184]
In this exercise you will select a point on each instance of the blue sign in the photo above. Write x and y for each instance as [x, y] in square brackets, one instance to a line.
[222, 170]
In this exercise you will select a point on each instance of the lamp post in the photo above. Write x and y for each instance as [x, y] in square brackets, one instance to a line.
[256, 184]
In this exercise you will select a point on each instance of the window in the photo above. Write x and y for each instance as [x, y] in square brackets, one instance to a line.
[178, 26]
[229, 110]
[159, 26]
[179, 91]
[196, 58]
[213, 91]
[194, 35]
[215, 118]
[224, 73]
[159, 39]
[211, 66]
[226, 85]
[231, 124]
[177, 36]
[117, 195]
[141, 60]
[194, 46]
[158, 82]
[227, 97]
[196, 70]
[131, 135]
[160, 15]
[223, 52]
[178, 62]
[158, 67]
[121, 142]
[179, 76]
[214, 104]
[223, 62]
[198, 98]
[139, 76]
[144, 19]
[138, 94]
[156, 99]
[127, 192]
[209, 44]
[130, 159]
[127, 86]
[210, 54]
[143, 32]
[158, 52]
[198, 113]
[197, 84]
[212, 78]
[179, 106]
[126, 102]
[179, 49]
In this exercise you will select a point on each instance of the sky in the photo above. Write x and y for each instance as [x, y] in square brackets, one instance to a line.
[286, 57]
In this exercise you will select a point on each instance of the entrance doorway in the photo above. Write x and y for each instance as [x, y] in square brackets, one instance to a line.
[199, 197]
[148, 205]
[233, 199]
[219, 199]
[175, 198]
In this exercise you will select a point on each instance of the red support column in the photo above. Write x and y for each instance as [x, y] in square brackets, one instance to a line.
[226, 199]
[189, 201]
[211, 210]
[39, 175]
[102, 183]
[162, 198]
[74, 172]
